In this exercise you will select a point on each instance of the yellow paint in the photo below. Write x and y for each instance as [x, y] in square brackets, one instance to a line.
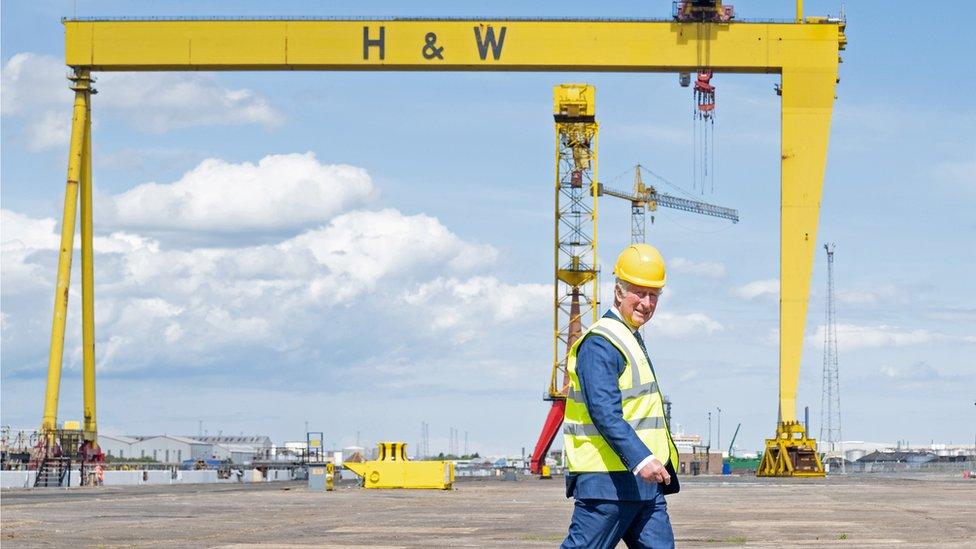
[87, 288]
[574, 109]
[394, 470]
[807, 101]
[633, 46]
[75, 162]
[790, 454]
[804, 52]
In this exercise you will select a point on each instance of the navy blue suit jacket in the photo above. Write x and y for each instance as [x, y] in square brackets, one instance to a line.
[599, 365]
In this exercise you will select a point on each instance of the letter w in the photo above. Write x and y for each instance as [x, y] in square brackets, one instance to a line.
[489, 41]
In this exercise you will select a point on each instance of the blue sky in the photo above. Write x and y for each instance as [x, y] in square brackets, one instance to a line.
[376, 249]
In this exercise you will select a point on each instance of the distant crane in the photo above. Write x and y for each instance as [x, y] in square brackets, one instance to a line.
[731, 447]
[731, 444]
[644, 198]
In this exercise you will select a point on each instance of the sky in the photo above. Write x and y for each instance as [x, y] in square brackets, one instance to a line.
[365, 252]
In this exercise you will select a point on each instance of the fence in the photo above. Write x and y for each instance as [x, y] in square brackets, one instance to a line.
[937, 467]
[25, 479]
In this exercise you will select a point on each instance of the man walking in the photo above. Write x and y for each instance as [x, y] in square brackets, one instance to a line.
[618, 446]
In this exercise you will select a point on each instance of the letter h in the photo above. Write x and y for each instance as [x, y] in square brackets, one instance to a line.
[378, 43]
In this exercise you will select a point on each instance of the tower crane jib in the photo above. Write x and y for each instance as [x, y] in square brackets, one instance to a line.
[645, 197]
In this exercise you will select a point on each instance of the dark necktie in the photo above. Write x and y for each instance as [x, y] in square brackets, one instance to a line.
[640, 341]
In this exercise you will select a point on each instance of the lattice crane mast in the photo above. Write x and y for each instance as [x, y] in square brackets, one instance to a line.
[575, 285]
[644, 198]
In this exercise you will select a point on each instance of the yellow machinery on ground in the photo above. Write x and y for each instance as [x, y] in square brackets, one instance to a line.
[791, 454]
[804, 52]
[392, 469]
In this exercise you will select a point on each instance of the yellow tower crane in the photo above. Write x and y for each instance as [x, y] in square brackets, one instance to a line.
[576, 238]
[575, 285]
[646, 198]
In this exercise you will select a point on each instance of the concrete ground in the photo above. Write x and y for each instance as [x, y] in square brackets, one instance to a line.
[855, 511]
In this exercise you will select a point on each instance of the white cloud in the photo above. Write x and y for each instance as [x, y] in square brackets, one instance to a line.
[198, 306]
[361, 250]
[680, 326]
[21, 231]
[757, 288]
[51, 129]
[159, 102]
[461, 307]
[35, 87]
[21, 237]
[31, 81]
[851, 337]
[701, 268]
[285, 191]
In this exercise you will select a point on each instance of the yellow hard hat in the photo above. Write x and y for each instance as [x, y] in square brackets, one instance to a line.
[641, 265]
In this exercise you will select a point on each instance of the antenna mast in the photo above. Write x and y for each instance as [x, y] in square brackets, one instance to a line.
[830, 435]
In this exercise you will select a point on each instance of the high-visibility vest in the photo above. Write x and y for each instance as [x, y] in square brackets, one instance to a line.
[643, 406]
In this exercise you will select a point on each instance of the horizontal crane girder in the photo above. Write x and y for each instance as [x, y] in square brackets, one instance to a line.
[676, 203]
[703, 208]
[456, 45]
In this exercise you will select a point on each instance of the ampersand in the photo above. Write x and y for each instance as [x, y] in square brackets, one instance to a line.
[431, 50]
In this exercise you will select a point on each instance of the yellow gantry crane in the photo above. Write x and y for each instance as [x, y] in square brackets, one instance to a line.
[57, 447]
[803, 51]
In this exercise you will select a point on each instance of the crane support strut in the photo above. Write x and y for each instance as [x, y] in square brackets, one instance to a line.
[804, 52]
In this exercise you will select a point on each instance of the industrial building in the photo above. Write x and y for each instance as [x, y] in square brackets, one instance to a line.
[239, 449]
[173, 450]
[116, 446]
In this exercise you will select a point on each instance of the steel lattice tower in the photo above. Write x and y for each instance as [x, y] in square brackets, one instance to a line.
[830, 432]
[575, 300]
[576, 284]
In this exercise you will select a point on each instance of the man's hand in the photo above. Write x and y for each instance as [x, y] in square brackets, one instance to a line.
[655, 472]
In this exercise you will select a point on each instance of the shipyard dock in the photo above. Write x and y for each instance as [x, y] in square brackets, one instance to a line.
[852, 511]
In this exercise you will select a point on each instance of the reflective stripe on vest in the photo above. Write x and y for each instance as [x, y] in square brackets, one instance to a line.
[625, 394]
[590, 430]
[642, 406]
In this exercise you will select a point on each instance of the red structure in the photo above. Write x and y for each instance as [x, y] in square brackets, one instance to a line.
[705, 94]
[555, 418]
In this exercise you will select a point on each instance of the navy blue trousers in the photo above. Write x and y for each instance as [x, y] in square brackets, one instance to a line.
[603, 523]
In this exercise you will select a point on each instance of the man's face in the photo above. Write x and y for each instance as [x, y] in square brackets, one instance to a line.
[637, 303]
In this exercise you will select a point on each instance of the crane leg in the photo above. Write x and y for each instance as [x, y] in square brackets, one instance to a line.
[79, 125]
[808, 98]
[549, 431]
[89, 449]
